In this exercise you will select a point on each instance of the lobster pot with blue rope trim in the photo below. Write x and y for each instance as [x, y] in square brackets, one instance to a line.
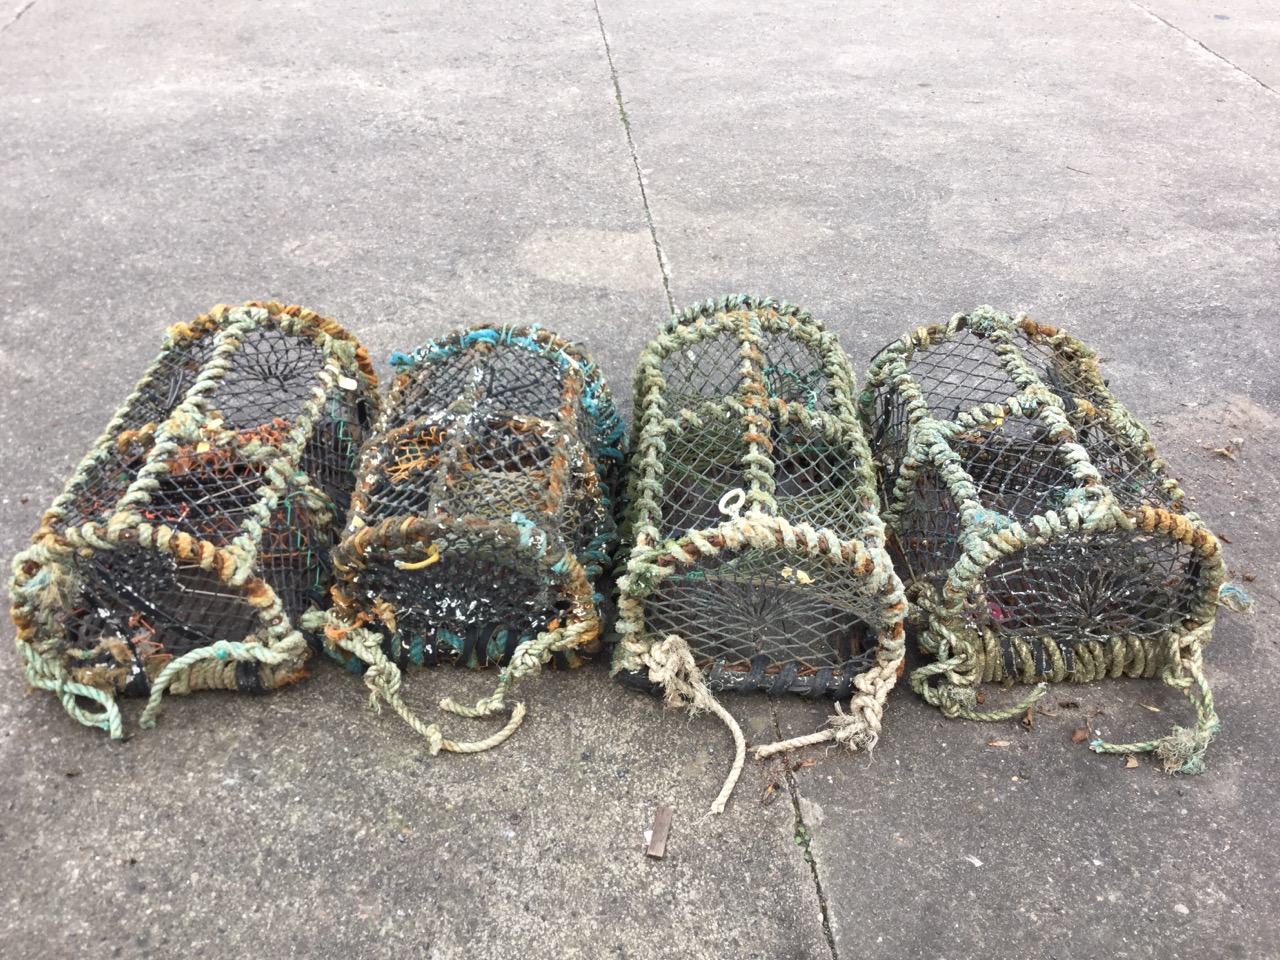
[754, 542]
[194, 536]
[483, 516]
[1040, 537]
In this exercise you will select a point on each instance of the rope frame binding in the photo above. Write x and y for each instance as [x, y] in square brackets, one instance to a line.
[756, 557]
[482, 522]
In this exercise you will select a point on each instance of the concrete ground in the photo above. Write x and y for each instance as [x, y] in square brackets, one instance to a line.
[1108, 166]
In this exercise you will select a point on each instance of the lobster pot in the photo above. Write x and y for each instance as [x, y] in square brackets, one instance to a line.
[752, 528]
[483, 515]
[1038, 533]
[195, 534]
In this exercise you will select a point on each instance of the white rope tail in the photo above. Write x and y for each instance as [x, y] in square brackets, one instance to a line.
[671, 664]
[859, 729]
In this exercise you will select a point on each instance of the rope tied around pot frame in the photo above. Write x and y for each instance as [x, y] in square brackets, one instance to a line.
[756, 559]
[482, 524]
[1041, 538]
[192, 539]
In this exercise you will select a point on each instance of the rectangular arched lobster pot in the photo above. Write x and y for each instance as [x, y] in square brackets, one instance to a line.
[483, 516]
[1040, 537]
[194, 536]
[756, 555]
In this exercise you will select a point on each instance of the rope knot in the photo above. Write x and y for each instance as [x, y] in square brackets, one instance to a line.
[852, 730]
[671, 664]
[383, 680]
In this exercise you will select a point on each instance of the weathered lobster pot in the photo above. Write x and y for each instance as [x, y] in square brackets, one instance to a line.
[194, 536]
[756, 556]
[482, 521]
[1041, 538]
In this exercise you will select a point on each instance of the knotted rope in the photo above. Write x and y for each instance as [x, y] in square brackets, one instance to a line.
[859, 729]
[671, 665]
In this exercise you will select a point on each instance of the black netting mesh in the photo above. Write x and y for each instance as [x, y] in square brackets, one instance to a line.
[1023, 436]
[1036, 528]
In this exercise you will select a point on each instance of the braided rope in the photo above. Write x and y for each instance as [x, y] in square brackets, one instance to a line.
[859, 729]
[383, 678]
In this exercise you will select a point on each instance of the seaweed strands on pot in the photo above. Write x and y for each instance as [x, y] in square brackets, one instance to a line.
[1040, 536]
[756, 557]
[194, 537]
[482, 523]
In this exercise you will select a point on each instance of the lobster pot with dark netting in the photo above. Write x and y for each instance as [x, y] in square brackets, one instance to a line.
[194, 536]
[483, 521]
[1040, 537]
[756, 557]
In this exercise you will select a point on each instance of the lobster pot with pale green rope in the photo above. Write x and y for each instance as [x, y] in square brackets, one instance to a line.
[756, 556]
[1040, 537]
[483, 520]
[194, 536]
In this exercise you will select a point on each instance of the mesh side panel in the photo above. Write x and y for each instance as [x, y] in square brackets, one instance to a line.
[403, 480]
[162, 607]
[589, 519]
[1061, 372]
[1018, 470]
[518, 380]
[817, 480]
[888, 441]
[1096, 587]
[329, 458]
[699, 467]
[212, 504]
[500, 471]
[705, 370]
[957, 375]
[293, 559]
[794, 374]
[470, 608]
[765, 603]
[207, 494]
[106, 482]
[271, 376]
[1133, 478]
[421, 397]
[927, 533]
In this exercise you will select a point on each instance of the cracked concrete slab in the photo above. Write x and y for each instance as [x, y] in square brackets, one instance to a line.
[1244, 33]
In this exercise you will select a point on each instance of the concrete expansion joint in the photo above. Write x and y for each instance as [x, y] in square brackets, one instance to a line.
[635, 162]
[18, 16]
[1200, 43]
[804, 839]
